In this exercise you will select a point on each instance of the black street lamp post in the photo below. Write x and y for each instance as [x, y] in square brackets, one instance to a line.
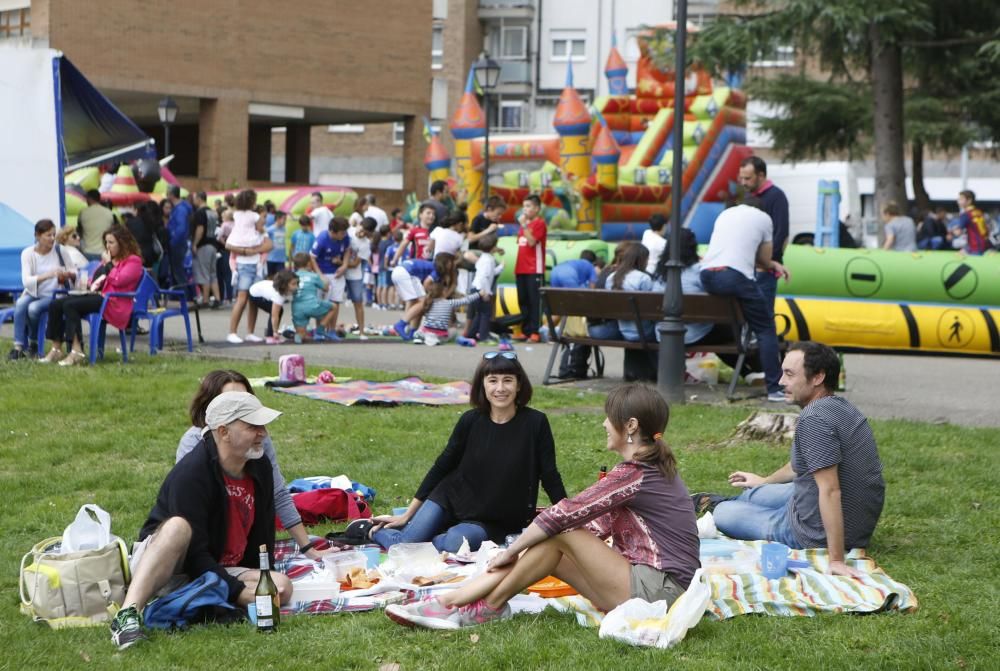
[670, 372]
[167, 110]
[487, 74]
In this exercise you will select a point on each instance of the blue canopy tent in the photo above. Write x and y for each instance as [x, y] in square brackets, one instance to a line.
[89, 130]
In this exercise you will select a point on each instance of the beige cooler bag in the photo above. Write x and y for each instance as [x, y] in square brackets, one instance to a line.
[82, 587]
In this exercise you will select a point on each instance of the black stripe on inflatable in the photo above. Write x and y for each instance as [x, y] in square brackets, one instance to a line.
[800, 321]
[957, 275]
[911, 325]
[503, 302]
[991, 326]
[864, 277]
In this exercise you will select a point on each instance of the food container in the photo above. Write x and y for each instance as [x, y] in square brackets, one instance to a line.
[727, 557]
[411, 554]
[339, 564]
[314, 590]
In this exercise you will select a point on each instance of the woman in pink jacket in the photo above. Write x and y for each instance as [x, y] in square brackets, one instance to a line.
[122, 274]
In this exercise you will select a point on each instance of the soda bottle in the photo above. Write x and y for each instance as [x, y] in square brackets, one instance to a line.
[603, 473]
[266, 597]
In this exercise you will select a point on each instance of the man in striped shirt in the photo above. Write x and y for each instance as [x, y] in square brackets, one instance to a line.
[831, 491]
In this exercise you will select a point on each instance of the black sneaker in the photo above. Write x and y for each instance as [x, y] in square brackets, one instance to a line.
[126, 628]
[16, 354]
[705, 502]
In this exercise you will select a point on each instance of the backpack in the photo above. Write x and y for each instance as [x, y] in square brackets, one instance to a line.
[330, 504]
[205, 599]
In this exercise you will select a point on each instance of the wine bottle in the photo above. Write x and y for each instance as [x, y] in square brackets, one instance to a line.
[266, 597]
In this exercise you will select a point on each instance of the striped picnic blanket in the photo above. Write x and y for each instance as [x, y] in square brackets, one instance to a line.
[809, 591]
[294, 564]
[804, 592]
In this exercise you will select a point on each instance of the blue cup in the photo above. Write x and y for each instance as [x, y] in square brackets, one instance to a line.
[252, 613]
[373, 556]
[774, 560]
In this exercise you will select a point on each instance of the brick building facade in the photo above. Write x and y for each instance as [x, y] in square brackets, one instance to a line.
[239, 69]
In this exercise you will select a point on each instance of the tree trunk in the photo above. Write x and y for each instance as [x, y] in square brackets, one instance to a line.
[887, 95]
[920, 195]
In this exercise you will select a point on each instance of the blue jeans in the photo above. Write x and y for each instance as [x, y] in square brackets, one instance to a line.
[760, 513]
[758, 312]
[433, 523]
[768, 284]
[27, 311]
[607, 330]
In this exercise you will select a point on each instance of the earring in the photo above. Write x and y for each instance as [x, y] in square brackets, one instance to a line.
[629, 440]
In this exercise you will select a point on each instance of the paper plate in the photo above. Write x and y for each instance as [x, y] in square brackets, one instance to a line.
[550, 587]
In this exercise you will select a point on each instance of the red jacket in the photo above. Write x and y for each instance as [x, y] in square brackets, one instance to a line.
[124, 276]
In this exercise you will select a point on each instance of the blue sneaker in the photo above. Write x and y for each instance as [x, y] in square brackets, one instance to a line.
[465, 342]
[403, 330]
[331, 337]
[505, 346]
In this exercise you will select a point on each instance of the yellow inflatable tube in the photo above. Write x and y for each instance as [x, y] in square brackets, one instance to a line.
[905, 328]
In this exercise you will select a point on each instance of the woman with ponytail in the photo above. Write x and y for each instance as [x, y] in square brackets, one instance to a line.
[642, 505]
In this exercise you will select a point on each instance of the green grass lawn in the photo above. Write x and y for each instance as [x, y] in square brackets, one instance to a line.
[107, 435]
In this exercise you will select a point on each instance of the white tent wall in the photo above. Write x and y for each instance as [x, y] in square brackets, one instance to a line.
[31, 178]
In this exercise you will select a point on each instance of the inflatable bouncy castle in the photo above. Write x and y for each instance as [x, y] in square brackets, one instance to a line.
[607, 168]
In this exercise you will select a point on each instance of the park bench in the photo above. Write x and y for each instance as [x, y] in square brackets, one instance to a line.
[559, 303]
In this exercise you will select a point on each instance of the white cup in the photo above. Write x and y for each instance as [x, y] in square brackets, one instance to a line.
[81, 279]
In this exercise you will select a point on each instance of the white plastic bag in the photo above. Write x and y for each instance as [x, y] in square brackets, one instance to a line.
[91, 530]
[639, 622]
[702, 367]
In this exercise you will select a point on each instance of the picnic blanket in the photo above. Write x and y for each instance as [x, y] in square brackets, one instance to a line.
[294, 564]
[408, 390]
[804, 592]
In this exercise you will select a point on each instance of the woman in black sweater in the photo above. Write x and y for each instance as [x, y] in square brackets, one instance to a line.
[484, 485]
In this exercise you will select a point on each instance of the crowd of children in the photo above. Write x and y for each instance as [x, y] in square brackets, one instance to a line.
[429, 269]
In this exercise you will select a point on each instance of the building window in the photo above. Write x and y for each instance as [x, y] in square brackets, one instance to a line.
[15, 22]
[346, 128]
[511, 115]
[514, 42]
[441, 9]
[437, 48]
[566, 46]
[782, 56]
[439, 98]
[398, 133]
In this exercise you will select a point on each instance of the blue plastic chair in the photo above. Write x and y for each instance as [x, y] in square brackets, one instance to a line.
[145, 308]
[7, 314]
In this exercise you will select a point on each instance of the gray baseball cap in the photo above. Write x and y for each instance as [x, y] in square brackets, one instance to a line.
[230, 406]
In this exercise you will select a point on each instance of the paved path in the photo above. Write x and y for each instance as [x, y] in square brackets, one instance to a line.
[932, 389]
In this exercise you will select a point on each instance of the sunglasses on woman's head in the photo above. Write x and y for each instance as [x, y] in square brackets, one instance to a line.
[506, 355]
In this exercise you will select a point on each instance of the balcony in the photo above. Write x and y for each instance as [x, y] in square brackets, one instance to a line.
[515, 72]
[506, 9]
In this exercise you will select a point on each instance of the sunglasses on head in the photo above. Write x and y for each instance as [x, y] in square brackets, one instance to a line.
[506, 355]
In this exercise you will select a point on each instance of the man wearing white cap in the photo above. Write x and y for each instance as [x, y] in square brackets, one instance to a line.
[213, 511]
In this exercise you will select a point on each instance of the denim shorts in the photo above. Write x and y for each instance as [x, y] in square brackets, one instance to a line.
[246, 275]
[356, 291]
[383, 278]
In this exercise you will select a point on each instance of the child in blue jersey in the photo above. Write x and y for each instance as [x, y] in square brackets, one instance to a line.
[307, 303]
[303, 239]
[277, 258]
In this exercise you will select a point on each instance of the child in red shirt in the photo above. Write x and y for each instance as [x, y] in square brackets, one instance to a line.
[529, 268]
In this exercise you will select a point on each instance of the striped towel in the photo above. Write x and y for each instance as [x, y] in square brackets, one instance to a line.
[805, 592]
[809, 591]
